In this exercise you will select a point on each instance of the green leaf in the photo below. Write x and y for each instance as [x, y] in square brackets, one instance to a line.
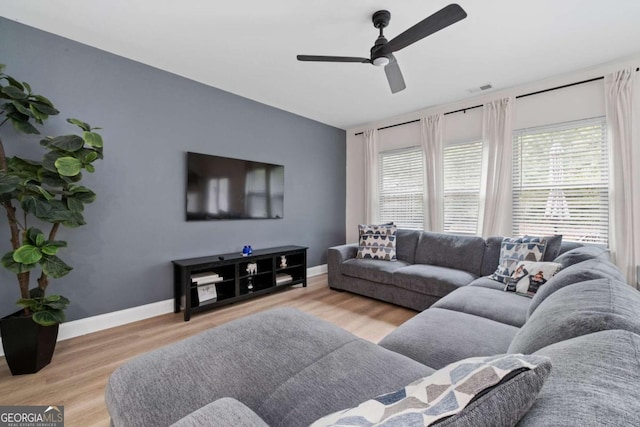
[30, 303]
[76, 220]
[51, 179]
[14, 82]
[49, 161]
[93, 139]
[49, 250]
[49, 317]
[24, 127]
[14, 92]
[44, 108]
[33, 233]
[82, 194]
[68, 166]
[37, 113]
[82, 125]
[54, 266]
[24, 110]
[68, 143]
[36, 207]
[8, 183]
[27, 254]
[75, 205]
[27, 86]
[15, 267]
[87, 156]
[56, 302]
[36, 292]
[90, 168]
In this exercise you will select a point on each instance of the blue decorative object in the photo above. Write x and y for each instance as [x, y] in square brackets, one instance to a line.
[250, 250]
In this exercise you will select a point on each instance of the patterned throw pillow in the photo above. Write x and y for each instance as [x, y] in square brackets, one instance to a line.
[528, 276]
[512, 251]
[377, 241]
[474, 391]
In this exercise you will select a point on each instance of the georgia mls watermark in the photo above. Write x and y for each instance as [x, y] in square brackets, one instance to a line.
[31, 416]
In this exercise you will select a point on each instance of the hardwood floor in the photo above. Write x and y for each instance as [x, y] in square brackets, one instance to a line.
[78, 373]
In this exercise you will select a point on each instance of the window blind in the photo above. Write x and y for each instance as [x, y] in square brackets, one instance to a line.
[462, 169]
[401, 187]
[561, 181]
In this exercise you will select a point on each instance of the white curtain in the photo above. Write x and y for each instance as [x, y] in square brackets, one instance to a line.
[432, 149]
[494, 216]
[371, 203]
[622, 106]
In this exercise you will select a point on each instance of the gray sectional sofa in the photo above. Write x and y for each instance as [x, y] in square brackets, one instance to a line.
[285, 368]
[428, 266]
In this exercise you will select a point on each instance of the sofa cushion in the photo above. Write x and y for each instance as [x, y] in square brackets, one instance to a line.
[554, 244]
[450, 250]
[479, 391]
[593, 382]
[437, 337]
[582, 253]
[406, 243]
[491, 257]
[504, 307]
[223, 412]
[342, 377]
[485, 282]
[514, 250]
[431, 279]
[586, 270]
[375, 270]
[255, 359]
[377, 241]
[581, 309]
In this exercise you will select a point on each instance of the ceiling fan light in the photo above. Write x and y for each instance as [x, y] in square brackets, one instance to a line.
[380, 61]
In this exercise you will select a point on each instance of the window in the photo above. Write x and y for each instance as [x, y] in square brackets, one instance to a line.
[401, 187]
[560, 181]
[462, 168]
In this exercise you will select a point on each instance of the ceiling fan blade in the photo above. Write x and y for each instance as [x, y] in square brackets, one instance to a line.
[394, 75]
[319, 58]
[441, 19]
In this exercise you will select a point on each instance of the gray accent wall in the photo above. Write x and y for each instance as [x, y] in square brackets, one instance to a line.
[151, 118]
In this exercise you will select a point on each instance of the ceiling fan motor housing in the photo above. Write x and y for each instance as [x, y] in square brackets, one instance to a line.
[380, 20]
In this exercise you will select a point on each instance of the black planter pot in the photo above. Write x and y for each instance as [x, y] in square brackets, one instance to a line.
[28, 347]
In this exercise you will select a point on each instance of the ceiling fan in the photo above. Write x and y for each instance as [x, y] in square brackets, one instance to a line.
[382, 51]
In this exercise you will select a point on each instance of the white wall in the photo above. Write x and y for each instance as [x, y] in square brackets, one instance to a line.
[572, 103]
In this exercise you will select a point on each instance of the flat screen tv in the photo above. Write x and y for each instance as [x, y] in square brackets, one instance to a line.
[226, 188]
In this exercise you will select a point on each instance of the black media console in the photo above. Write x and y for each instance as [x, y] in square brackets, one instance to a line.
[204, 283]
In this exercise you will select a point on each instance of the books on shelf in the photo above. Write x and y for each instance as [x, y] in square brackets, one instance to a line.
[207, 292]
[282, 278]
[206, 278]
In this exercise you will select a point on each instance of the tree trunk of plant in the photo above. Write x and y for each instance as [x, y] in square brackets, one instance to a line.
[23, 278]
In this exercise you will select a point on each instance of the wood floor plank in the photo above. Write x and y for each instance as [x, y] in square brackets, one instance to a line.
[81, 366]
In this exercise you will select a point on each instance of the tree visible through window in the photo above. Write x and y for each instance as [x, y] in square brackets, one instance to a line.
[561, 181]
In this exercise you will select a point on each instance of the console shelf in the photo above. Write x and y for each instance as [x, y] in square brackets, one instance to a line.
[228, 274]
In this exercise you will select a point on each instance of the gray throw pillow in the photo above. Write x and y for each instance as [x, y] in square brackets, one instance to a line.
[481, 391]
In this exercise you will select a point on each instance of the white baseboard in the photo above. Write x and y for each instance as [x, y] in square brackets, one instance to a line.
[75, 328]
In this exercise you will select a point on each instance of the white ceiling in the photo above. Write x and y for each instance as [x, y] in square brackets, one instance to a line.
[249, 47]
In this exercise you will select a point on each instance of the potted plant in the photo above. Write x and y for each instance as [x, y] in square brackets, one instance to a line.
[47, 191]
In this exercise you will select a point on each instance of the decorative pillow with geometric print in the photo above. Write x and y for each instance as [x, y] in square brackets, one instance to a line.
[476, 391]
[513, 251]
[377, 242]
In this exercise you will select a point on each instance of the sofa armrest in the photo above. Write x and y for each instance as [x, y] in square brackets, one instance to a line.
[335, 257]
[222, 413]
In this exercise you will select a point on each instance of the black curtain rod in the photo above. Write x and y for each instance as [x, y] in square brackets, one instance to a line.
[464, 110]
